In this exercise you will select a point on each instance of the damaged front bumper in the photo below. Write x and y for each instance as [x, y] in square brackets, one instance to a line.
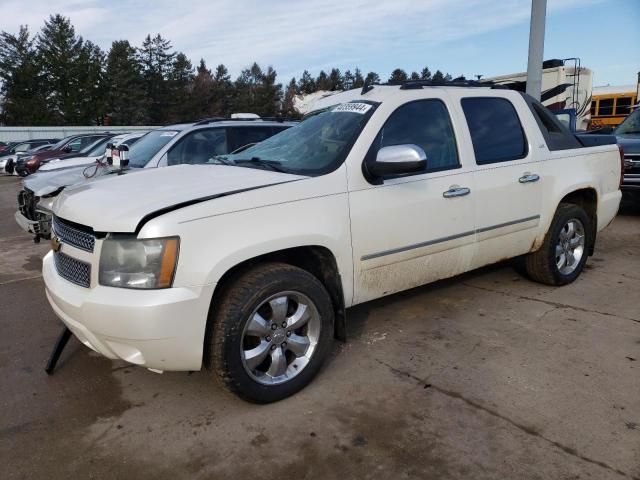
[34, 214]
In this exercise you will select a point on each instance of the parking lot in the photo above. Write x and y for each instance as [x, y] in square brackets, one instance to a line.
[486, 375]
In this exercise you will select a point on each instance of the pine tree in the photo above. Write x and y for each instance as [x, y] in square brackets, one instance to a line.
[223, 92]
[414, 76]
[322, 82]
[92, 87]
[425, 74]
[347, 80]
[21, 89]
[201, 102]
[180, 87]
[372, 78]
[270, 94]
[307, 83]
[336, 81]
[288, 102]
[245, 89]
[438, 77]
[447, 78]
[126, 101]
[398, 75]
[157, 59]
[358, 79]
[59, 52]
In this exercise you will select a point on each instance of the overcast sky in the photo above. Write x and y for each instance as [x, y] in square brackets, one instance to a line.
[467, 37]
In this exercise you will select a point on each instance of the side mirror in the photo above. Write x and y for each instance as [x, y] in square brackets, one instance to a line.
[67, 149]
[398, 160]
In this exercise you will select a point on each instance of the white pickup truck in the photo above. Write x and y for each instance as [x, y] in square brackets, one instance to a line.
[246, 264]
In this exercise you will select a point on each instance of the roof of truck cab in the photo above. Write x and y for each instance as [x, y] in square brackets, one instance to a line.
[380, 93]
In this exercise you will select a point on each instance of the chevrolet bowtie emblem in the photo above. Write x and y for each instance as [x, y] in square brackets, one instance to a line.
[56, 244]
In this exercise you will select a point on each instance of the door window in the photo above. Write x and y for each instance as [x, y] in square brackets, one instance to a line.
[241, 136]
[21, 148]
[424, 123]
[605, 106]
[495, 129]
[76, 145]
[198, 147]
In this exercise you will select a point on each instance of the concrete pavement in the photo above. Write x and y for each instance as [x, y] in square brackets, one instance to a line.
[487, 375]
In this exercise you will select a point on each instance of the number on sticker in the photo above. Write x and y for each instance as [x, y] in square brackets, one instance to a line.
[353, 107]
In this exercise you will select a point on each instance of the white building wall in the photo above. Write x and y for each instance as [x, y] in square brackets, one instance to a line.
[8, 134]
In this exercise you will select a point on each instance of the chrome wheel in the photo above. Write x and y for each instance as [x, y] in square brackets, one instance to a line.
[280, 338]
[570, 246]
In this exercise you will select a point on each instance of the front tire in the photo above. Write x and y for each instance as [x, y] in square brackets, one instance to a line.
[564, 252]
[272, 331]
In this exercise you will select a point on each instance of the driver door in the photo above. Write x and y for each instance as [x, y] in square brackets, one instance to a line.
[418, 228]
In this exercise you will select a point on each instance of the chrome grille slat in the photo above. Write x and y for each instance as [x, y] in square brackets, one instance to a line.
[73, 270]
[72, 236]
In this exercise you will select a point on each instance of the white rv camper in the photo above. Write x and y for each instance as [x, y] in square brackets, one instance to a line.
[565, 84]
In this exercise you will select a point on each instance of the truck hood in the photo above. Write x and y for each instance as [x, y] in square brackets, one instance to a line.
[120, 202]
[49, 182]
[69, 162]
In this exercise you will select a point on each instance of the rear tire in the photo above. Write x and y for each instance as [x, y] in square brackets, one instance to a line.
[562, 256]
[272, 331]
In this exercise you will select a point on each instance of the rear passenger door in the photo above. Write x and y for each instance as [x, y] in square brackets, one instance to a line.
[507, 178]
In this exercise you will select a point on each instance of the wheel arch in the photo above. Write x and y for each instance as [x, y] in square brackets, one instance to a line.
[315, 259]
[587, 199]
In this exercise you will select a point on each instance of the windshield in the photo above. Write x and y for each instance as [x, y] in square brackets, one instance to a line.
[631, 124]
[317, 145]
[96, 148]
[146, 147]
[61, 143]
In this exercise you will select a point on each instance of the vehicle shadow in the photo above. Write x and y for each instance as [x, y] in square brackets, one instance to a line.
[630, 205]
[357, 316]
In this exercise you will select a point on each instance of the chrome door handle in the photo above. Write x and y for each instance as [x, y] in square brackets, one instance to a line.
[529, 177]
[456, 192]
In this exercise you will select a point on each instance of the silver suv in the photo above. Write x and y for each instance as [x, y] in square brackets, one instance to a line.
[187, 143]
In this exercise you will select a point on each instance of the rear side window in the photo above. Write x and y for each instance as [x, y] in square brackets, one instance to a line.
[556, 133]
[425, 123]
[198, 147]
[495, 129]
[242, 136]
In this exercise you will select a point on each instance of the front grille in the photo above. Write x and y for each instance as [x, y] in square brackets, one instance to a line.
[73, 236]
[73, 270]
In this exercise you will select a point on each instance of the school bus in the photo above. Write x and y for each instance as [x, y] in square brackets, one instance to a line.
[611, 105]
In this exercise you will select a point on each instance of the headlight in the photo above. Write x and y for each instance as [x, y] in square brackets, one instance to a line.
[131, 263]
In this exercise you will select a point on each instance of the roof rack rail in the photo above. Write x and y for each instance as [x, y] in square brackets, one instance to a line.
[206, 121]
[457, 82]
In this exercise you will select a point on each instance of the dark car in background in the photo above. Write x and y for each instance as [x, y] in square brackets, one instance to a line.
[99, 144]
[71, 144]
[628, 137]
[16, 150]
[25, 145]
[5, 145]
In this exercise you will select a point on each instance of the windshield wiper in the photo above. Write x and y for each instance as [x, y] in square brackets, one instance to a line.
[222, 160]
[259, 162]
